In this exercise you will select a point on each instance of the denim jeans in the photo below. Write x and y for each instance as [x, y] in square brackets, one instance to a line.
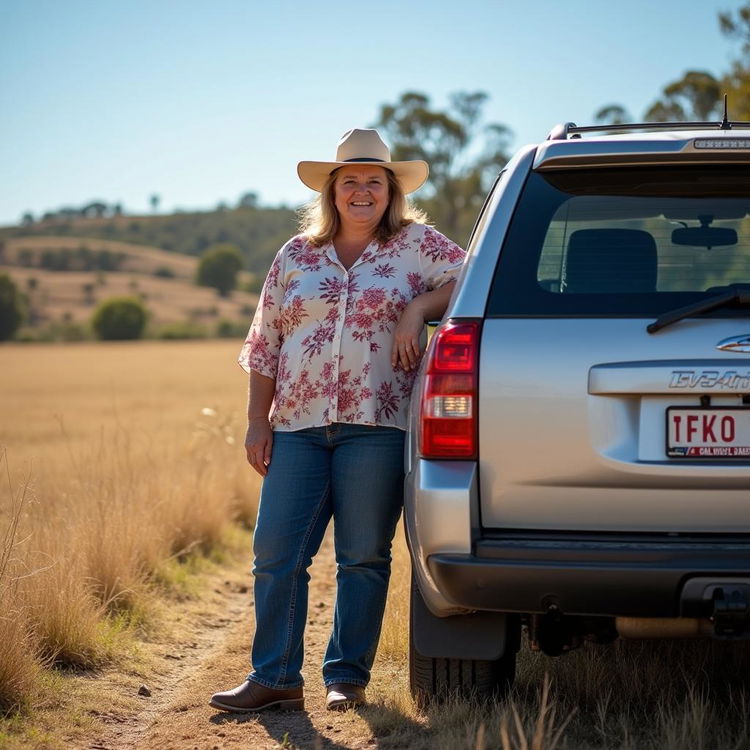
[353, 473]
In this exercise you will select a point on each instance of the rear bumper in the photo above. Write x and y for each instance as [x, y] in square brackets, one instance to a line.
[583, 578]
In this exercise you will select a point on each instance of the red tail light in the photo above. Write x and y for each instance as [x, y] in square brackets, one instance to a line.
[448, 411]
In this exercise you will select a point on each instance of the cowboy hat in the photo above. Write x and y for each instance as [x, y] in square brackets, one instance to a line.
[359, 146]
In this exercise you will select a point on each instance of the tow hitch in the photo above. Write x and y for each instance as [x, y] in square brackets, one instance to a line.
[726, 602]
[731, 609]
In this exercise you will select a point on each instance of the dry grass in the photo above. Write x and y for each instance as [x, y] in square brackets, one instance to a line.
[393, 645]
[676, 695]
[124, 458]
[19, 667]
[119, 459]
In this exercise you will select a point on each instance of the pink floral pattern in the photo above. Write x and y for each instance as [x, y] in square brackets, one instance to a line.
[325, 333]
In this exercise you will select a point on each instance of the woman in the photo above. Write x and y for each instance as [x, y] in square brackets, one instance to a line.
[331, 355]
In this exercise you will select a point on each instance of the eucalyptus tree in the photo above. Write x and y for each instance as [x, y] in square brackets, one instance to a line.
[464, 153]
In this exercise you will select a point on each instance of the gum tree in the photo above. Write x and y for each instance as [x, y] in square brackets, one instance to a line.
[463, 153]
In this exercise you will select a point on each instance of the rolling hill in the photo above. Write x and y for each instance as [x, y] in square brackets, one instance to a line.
[98, 269]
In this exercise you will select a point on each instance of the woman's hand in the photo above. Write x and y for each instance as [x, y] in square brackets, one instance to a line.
[406, 349]
[428, 306]
[258, 444]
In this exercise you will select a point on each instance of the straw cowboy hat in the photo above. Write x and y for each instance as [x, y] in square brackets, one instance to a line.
[364, 147]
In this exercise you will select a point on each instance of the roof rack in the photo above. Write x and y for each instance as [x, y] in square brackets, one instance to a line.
[566, 130]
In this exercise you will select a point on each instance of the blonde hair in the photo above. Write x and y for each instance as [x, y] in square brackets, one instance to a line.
[319, 219]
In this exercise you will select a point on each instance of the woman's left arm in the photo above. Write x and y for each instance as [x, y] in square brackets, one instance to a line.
[428, 306]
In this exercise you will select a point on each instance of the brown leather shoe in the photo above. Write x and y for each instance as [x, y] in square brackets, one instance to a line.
[341, 695]
[252, 696]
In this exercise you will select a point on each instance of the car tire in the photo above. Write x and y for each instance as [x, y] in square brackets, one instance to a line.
[435, 679]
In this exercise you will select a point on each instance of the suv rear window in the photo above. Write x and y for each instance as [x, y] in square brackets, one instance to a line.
[624, 241]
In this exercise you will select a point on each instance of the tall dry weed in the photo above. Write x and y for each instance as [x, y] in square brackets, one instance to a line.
[521, 730]
[19, 664]
[130, 471]
[393, 638]
[64, 611]
[652, 695]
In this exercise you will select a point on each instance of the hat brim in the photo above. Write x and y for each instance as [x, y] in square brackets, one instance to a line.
[410, 174]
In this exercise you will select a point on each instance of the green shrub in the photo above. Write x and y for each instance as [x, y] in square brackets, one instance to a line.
[70, 331]
[11, 307]
[64, 330]
[184, 329]
[218, 267]
[28, 335]
[231, 329]
[119, 318]
[254, 285]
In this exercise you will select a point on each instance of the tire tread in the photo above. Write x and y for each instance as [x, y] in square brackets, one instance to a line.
[434, 678]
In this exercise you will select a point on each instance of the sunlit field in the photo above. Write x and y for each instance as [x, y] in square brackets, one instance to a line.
[117, 460]
[630, 694]
[120, 460]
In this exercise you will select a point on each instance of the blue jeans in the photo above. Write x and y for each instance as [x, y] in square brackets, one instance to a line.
[353, 473]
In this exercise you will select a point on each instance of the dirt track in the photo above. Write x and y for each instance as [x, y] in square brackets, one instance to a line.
[210, 653]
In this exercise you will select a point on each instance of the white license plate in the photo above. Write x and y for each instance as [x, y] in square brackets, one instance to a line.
[708, 432]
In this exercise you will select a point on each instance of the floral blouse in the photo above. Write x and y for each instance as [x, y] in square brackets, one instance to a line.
[325, 334]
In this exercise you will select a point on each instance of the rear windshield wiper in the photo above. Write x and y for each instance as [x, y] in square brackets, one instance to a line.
[740, 296]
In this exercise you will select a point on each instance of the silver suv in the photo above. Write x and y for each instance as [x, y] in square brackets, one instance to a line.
[579, 457]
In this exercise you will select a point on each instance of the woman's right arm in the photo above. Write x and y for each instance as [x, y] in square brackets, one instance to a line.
[259, 358]
[259, 436]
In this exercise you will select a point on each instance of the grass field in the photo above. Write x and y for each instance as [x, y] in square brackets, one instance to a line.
[118, 460]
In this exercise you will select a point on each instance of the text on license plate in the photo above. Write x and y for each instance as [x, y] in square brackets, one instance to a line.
[708, 432]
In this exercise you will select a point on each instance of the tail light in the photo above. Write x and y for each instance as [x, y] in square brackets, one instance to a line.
[448, 411]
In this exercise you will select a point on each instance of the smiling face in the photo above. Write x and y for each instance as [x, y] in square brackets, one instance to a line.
[361, 196]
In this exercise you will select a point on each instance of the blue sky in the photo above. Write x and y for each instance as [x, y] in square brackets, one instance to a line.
[201, 101]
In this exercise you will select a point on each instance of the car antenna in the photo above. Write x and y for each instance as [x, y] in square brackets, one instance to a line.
[725, 124]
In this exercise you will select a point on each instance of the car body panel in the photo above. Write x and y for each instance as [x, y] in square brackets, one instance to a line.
[470, 298]
[441, 519]
[642, 148]
[581, 445]
[572, 432]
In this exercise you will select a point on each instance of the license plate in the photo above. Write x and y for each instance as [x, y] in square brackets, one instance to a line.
[708, 432]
